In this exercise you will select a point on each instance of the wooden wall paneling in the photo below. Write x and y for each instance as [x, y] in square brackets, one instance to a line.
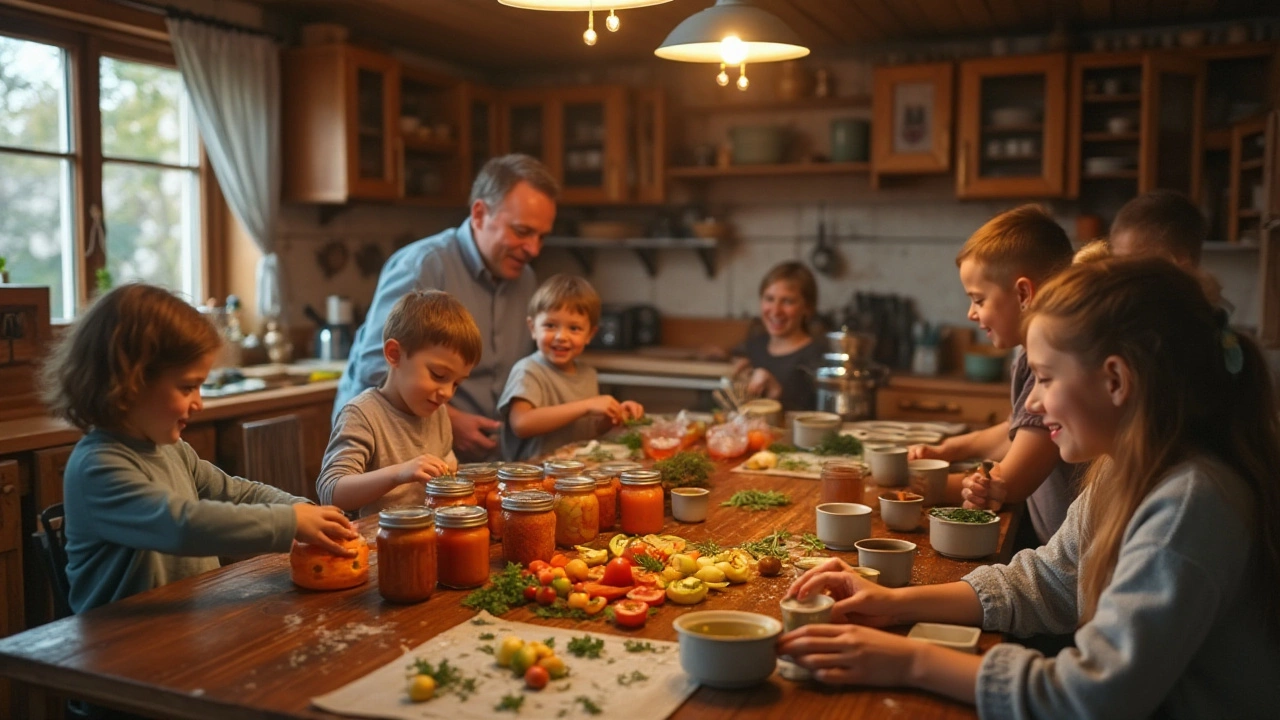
[1005, 14]
[203, 438]
[816, 20]
[24, 335]
[884, 15]
[913, 17]
[10, 508]
[1097, 12]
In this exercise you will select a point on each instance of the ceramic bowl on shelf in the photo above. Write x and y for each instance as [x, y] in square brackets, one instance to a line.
[1010, 116]
[1103, 165]
[1120, 125]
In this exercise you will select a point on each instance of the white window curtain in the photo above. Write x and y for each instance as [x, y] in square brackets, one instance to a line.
[233, 78]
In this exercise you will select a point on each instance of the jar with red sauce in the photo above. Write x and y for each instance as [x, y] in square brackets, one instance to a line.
[512, 478]
[640, 502]
[528, 526]
[485, 477]
[406, 554]
[556, 469]
[606, 497]
[462, 542]
[443, 492]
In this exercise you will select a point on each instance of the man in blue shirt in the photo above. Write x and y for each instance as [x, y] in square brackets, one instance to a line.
[484, 263]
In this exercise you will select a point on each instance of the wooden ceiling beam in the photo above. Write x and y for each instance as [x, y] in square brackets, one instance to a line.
[890, 25]
[977, 16]
[1005, 14]
[943, 16]
[815, 25]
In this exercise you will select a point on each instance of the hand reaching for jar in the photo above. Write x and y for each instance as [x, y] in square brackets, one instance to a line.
[421, 469]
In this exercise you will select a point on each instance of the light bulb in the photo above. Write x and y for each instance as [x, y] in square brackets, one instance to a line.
[612, 22]
[589, 37]
[743, 82]
[723, 77]
[732, 50]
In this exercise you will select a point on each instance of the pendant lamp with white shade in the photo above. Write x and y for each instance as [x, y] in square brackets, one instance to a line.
[732, 33]
[590, 6]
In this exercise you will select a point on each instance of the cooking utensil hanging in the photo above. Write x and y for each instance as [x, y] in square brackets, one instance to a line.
[824, 257]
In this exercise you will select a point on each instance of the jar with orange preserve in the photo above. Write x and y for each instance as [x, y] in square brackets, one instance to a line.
[606, 497]
[640, 502]
[512, 478]
[443, 492]
[406, 554]
[462, 539]
[556, 469]
[616, 468]
[528, 526]
[577, 511]
[843, 481]
[485, 477]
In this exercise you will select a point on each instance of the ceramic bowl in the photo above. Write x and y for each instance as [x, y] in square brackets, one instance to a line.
[963, 541]
[727, 648]
[808, 429]
[888, 464]
[984, 365]
[690, 505]
[956, 637]
[901, 510]
[893, 558]
[842, 525]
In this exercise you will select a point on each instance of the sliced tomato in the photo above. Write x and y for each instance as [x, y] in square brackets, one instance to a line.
[638, 548]
[558, 560]
[618, 573]
[642, 577]
[608, 592]
[631, 613]
[651, 595]
[595, 605]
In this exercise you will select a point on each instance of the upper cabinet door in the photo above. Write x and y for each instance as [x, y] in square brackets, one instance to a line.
[529, 121]
[649, 151]
[1172, 122]
[373, 107]
[479, 131]
[592, 142]
[1012, 127]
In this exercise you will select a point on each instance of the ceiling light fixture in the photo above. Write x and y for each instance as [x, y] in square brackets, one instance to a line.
[612, 23]
[731, 33]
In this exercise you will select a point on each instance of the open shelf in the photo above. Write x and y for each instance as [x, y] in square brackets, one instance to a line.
[1251, 164]
[584, 250]
[1111, 137]
[813, 168]
[835, 103]
[1117, 98]
[1013, 129]
[1113, 175]
[441, 147]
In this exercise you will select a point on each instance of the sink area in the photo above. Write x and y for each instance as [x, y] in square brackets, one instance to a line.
[256, 378]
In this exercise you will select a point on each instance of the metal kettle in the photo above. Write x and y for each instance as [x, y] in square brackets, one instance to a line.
[333, 340]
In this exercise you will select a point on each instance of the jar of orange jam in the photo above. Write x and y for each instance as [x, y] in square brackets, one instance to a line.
[640, 502]
[528, 526]
[443, 492]
[606, 497]
[616, 468]
[485, 477]
[462, 537]
[556, 469]
[406, 554]
[512, 478]
[577, 511]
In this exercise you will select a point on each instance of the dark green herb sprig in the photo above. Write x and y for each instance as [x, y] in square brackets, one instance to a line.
[599, 455]
[486, 649]
[774, 545]
[448, 678]
[635, 646]
[549, 642]
[811, 543]
[834, 443]
[480, 621]
[794, 464]
[635, 677]
[504, 591]
[781, 448]
[631, 440]
[637, 422]
[486, 636]
[560, 610]
[649, 562]
[756, 500]
[585, 646]
[510, 703]
[588, 706]
[685, 469]
[707, 547]
[963, 515]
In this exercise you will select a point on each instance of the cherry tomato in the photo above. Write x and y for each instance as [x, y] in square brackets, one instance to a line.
[579, 600]
[545, 576]
[531, 592]
[562, 586]
[536, 677]
[651, 595]
[559, 560]
[538, 566]
[631, 613]
[618, 573]
[546, 595]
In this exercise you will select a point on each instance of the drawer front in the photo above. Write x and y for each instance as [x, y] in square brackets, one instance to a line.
[975, 410]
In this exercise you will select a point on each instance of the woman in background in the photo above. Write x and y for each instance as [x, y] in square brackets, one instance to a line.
[780, 362]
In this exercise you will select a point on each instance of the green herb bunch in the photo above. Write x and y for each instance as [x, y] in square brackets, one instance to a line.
[834, 443]
[685, 469]
[504, 591]
[757, 499]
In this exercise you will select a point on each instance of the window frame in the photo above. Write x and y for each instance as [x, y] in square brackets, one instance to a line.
[85, 44]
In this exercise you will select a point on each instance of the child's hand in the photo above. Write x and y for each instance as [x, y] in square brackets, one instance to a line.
[421, 469]
[632, 409]
[927, 452]
[324, 527]
[981, 493]
[763, 384]
[606, 406]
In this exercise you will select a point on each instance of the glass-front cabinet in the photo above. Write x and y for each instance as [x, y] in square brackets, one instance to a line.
[429, 125]
[528, 124]
[592, 143]
[1012, 121]
[479, 130]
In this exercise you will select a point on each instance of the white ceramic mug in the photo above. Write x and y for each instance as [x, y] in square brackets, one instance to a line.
[893, 558]
[808, 429]
[888, 464]
[842, 525]
[690, 505]
[933, 475]
[901, 515]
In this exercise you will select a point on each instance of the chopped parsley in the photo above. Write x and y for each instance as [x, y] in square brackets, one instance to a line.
[486, 636]
[504, 591]
[510, 703]
[631, 440]
[588, 706]
[755, 500]
[833, 443]
[781, 448]
[963, 515]
[685, 469]
[448, 678]
[585, 646]
[636, 646]
[635, 677]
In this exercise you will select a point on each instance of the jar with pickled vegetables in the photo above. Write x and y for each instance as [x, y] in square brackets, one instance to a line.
[406, 554]
[606, 497]
[443, 492]
[843, 481]
[528, 526]
[577, 511]
[556, 469]
[485, 477]
[512, 478]
[640, 502]
[462, 539]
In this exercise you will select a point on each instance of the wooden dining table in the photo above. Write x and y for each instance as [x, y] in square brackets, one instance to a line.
[244, 642]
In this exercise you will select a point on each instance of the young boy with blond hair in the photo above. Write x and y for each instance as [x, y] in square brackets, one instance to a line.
[390, 440]
[550, 400]
[1001, 267]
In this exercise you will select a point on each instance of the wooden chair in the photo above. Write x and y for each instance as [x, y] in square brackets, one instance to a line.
[273, 455]
[52, 541]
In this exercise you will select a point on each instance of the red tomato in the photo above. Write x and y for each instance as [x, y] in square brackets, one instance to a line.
[558, 560]
[538, 566]
[531, 592]
[545, 576]
[651, 595]
[608, 592]
[546, 595]
[536, 677]
[618, 573]
[631, 613]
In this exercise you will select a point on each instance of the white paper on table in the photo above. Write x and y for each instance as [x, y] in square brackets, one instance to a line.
[381, 693]
[811, 470]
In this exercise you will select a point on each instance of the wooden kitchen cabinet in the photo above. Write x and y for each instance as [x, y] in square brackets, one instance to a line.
[479, 135]
[592, 143]
[934, 399]
[1251, 175]
[340, 124]
[313, 425]
[1012, 127]
[430, 118]
[529, 125]
[203, 438]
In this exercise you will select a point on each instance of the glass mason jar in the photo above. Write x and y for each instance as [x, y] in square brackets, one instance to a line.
[512, 478]
[528, 526]
[606, 497]
[843, 481]
[615, 470]
[445, 492]
[485, 477]
[641, 502]
[406, 554]
[556, 469]
[577, 511]
[462, 536]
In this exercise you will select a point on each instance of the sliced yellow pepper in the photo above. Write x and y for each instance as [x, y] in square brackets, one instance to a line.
[688, 591]
[591, 556]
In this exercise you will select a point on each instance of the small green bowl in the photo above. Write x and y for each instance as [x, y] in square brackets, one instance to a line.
[984, 366]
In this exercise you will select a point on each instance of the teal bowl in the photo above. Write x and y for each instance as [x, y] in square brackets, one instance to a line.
[984, 366]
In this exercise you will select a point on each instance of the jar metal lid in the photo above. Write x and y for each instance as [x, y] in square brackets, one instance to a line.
[564, 468]
[575, 483]
[461, 516]
[479, 472]
[519, 471]
[460, 487]
[641, 477]
[406, 517]
[617, 467]
[603, 478]
[529, 501]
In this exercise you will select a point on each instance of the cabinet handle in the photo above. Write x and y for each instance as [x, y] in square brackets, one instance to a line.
[929, 406]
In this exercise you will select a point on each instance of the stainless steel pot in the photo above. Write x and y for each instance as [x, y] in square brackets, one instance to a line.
[858, 347]
[849, 392]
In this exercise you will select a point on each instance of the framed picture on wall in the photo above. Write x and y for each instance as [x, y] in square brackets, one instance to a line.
[911, 109]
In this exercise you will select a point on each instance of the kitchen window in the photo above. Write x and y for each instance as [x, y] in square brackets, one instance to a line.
[100, 168]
